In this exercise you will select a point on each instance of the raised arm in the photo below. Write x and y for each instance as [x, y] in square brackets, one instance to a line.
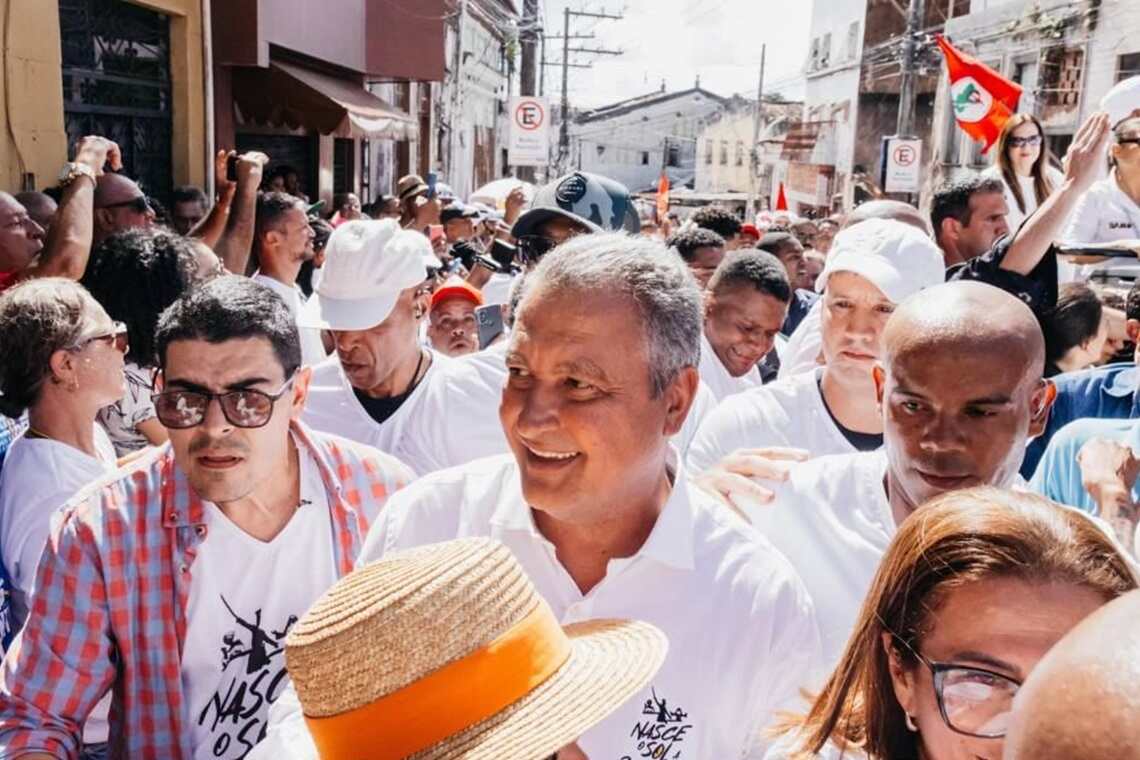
[1046, 225]
[213, 226]
[233, 248]
[68, 245]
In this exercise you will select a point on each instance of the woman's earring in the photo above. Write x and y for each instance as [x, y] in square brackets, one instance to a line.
[910, 723]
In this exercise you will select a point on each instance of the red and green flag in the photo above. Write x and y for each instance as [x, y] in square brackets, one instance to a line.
[982, 99]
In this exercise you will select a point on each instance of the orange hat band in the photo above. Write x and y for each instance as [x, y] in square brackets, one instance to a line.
[450, 699]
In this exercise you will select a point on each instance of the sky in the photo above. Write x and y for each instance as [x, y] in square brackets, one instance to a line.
[675, 40]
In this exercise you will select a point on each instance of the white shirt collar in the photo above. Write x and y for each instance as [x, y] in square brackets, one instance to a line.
[669, 543]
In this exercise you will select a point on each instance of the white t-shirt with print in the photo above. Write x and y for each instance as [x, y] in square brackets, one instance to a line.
[245, 595]
[788, 412]
[121, 418]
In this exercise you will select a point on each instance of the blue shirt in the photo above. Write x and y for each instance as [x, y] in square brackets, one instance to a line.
[1107, 392]
[802, 301]
[1058, 476]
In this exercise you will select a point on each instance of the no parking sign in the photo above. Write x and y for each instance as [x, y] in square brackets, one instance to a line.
[529, 143]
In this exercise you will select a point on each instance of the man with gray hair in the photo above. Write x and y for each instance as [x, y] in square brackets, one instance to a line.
[595, 504]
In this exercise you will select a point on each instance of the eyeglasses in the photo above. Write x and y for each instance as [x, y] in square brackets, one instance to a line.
[247, 408]
[1018, 142]
[117, 337]
[973, 701]
[139, 205]
[531, 248]
[1128, 140]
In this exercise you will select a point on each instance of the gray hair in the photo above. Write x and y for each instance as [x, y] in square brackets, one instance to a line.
[37, 318]
[646, 271]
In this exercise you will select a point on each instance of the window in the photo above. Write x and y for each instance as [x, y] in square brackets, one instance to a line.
[708, 152]
[724, 152]
[343, 165]
[825, 51]
[644, 158]
[1127, 65]
[813, 58]
[852, 40]
[740, 153]
[673, 155]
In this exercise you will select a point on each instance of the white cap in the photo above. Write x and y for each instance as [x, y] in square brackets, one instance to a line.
[897, 258]
[367, 265]
[1121, 100]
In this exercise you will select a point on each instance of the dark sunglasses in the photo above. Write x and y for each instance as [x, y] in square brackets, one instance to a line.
[139, 205]
[246, 408]
[1128, 140]
[1017, 142]
[117, 337]
[531, 248]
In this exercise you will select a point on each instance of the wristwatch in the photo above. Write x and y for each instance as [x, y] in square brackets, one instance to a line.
[72, 170]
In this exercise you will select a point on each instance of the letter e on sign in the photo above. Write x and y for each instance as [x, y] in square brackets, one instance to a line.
[530, 115]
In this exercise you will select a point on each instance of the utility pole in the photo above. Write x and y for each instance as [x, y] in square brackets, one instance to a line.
[564, 127]
[915, 14]
[757, 119]
[527, 68]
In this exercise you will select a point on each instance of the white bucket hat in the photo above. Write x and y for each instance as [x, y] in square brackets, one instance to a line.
[895, 257]
[367, 265]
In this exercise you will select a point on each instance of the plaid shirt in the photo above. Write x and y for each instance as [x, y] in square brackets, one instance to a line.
[109, 612]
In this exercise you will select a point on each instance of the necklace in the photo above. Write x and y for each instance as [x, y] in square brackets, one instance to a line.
[31, 432]
[416, 379]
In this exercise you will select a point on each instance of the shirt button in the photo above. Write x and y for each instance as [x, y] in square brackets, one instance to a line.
[173, 516]
[200, 530]
[183, 569]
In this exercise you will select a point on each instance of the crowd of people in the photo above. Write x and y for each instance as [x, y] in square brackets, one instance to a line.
[554, 478]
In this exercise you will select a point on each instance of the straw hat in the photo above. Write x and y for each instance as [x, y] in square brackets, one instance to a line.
[447, 651]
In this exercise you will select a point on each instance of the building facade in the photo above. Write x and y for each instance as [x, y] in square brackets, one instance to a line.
[724, 148]
[635, 140]
[134, 72]
[1065, 56]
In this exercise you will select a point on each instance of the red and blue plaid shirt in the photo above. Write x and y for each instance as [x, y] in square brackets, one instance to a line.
[109, 611]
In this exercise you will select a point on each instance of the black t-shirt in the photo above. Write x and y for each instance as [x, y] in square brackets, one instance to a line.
[861, 441]
[1038, 289]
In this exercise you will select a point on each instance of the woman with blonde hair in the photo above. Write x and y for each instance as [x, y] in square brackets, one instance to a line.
[973, 590]
[1025, 165]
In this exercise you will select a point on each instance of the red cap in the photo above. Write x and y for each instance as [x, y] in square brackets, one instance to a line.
[751, 230]
[454, 287]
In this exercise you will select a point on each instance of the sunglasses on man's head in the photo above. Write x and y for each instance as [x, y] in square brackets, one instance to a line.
[244, 408]
[139, 205]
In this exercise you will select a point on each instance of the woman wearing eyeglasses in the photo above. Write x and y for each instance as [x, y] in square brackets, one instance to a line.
[973, 590]
[1025, 165]
[61, 359]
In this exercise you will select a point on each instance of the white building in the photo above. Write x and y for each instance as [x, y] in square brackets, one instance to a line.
[821, 158]
[1065, 55]
[724, 147]
[633, 141]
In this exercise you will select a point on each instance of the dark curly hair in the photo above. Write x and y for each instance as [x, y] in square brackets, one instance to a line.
[718, 219]
[688, 241]
[37, 318]
[135, 274]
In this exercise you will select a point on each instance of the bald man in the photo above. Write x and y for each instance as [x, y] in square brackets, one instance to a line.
[960, 390]
[120, 204]
[1082, 700]
[40, 206]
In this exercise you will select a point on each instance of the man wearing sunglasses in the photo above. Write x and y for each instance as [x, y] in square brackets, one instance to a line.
[119, 205]
[174, 582]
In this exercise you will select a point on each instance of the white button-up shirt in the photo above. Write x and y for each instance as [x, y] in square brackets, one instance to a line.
[788, 412]
[439, 425]
[742, 635]
[312, 348]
